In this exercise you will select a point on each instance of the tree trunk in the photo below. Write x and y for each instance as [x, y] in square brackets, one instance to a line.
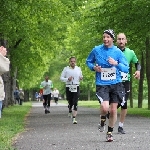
[148, 67]
[26, 95]
[14, 84]
[131, 98]
[140, 93]
[32, 93]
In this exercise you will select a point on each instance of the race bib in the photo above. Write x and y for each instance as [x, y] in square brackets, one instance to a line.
[73, 88]
[124, 76]
[108, 74]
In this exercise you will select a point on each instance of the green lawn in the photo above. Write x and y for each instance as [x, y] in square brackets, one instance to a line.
[134, 111]
[12, 123]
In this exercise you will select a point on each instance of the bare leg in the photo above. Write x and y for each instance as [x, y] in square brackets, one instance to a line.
[122, 119]
[104, 107]
[123, 114]
[112, 121]
[103, 111]
[113, 114]
[74, 113]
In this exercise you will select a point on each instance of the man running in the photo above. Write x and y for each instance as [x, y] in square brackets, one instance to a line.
[55, 94]
[72, 75]
[108, 61]
[131, 58]
[47, 89]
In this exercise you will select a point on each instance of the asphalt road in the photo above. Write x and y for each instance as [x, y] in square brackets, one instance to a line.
[55, 131]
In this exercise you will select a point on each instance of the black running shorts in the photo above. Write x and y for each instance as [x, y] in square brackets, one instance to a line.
[127, 92]
[114, 93]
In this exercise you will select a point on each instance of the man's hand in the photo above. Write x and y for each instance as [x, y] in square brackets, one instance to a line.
[97, 68]
[80, 78]
[70, 78]
[112, 61]
[137, 75]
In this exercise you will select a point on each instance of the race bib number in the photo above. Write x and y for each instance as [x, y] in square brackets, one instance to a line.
[108, 74]
[73, 88]
[124, 76]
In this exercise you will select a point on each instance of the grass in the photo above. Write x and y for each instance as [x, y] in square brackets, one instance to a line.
[144, 112]
[12, 123]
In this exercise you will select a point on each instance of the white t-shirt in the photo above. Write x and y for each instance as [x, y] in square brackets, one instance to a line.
[55, 93]
[46, 87]
[67, 72]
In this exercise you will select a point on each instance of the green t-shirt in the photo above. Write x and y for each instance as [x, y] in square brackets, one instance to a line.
[131, 57]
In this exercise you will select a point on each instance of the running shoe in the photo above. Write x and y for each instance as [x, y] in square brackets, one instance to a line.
[121, 131]
[109, 137]
[74, 121]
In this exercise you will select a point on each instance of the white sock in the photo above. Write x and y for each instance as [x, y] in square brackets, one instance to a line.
[120, 124]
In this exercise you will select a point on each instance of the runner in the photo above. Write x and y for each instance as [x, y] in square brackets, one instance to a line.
[47, 88]
[108, 61]
[55, 94]
[131, 58]
[72, 75]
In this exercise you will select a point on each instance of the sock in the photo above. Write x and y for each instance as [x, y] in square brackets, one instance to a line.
[103, 118]
[110, 129]
[120, 124]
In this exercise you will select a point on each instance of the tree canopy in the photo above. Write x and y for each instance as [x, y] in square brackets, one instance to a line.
[43, 34]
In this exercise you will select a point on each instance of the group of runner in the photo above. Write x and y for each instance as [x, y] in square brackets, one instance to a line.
[112, 79]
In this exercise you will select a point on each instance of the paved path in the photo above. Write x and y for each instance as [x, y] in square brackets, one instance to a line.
[55, 131]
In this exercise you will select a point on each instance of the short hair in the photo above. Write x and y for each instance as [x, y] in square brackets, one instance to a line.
[122, 33]
[72, 57]
[3, 42]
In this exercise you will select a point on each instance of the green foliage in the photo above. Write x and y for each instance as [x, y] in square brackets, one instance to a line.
[32, 32]
[44, 34]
